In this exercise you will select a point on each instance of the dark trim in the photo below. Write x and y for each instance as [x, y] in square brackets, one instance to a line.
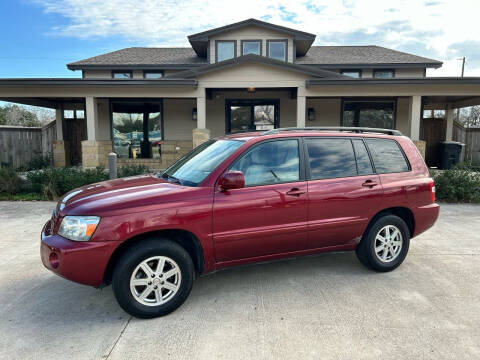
[368, 99]
[225, 41]
[376, 65]
[99, 82]
[251, 103]
[208, 51]
[251, 40]
[153, 72]
[133, 66]
[424, 72]
[383, 70]
[277, 40]
[83, 74]
[343, 71]
[122, 71]
[397, 81]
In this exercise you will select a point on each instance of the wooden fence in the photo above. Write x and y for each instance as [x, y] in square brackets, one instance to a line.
[19, 145]
[471, 138]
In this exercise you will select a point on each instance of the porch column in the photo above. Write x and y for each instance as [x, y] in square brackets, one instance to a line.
[201, 133]
[414, 118]
[301, 110]
[95, 149]
[61, 148]
[449, 114]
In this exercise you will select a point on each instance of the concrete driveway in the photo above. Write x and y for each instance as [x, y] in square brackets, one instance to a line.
[322, 307]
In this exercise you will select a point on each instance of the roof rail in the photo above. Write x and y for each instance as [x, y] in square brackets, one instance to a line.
[336, 128]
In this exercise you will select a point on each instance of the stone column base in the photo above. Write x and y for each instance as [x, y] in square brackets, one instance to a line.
[200, 136]
[61, 153]
[95, 153]
[421, 145]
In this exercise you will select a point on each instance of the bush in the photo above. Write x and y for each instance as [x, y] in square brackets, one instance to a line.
[132, 170]
[38, 162]
[459, 184]
[10, 182]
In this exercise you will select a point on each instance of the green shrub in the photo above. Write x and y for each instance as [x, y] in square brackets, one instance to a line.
[10, 182]
[459, 184]
[132, 170]
[39, 162]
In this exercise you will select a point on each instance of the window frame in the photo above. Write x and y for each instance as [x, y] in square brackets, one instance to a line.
[285, 41]
[383, 70]
[407, 161]
[225, 41]
[301, 154]
[252, 103]
[369, 99]
[121, 72]
[145, 72]
[251, 41]
[359, 71]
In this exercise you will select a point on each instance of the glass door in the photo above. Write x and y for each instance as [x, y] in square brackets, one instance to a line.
[251, 115]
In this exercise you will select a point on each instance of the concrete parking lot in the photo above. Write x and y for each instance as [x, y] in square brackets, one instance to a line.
[321, 307]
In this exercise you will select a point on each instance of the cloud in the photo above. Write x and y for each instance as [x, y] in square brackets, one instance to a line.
[436, 28]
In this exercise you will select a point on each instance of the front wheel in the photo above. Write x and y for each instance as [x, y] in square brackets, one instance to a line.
[153, 278]
[385, 244]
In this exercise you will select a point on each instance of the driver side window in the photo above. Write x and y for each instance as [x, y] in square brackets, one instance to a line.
[271, 162]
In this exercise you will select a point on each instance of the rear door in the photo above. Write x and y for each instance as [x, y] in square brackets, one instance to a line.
[269, 215]
[344, 192]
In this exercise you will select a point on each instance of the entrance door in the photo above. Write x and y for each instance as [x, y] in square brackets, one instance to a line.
[75, 133]
[251, 115]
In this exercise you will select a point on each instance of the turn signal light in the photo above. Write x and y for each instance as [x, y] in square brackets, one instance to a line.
[53, 259]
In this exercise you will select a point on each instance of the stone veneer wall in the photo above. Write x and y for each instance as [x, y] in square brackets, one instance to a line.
[61, 153]
[95, 153]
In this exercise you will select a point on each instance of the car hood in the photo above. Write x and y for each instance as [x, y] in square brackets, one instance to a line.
[126, 194]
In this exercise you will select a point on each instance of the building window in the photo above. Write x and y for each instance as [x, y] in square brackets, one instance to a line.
[251, 115]
[374, 113]
[277, 49]
[251, 47]
[352, 73]
[225, 50]
[152, 74]
[137, 128]
[122, 74]
[383, 73]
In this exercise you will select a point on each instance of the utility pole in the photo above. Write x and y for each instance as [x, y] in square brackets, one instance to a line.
[463, 64]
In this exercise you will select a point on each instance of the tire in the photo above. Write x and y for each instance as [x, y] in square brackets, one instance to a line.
[137, 272]
[382, 255]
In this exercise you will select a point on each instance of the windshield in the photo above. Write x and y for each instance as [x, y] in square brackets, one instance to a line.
[194, 167]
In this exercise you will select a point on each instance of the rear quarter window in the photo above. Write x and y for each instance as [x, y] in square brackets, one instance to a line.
[331, 158]
[387, 156]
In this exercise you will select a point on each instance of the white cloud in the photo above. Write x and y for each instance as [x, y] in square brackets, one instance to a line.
[428, 28]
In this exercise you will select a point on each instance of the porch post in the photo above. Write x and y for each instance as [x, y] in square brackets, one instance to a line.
[91, 114]
[301, 110]
[201, 133]
[61, 148]
[59, 122]
[414, 119]
[449, 113]
[95, 149]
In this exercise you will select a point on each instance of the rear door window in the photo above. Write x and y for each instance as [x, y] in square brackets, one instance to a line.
[387, 156]
[330, 158]
[364, 166]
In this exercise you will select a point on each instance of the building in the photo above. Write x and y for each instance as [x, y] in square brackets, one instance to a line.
[152, 105]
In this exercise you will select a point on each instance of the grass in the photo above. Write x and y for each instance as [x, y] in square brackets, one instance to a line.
[21, 197]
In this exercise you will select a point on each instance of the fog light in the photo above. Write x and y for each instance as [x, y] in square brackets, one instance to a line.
[53, 258]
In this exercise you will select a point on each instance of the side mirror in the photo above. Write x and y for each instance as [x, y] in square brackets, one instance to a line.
[231, 180]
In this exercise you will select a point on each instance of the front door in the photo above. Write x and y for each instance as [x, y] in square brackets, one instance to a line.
[267, 216]
[251, 115]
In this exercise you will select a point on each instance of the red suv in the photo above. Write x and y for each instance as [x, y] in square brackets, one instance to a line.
[240, 199]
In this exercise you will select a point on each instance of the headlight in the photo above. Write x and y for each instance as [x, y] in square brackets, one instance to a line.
[78, 228]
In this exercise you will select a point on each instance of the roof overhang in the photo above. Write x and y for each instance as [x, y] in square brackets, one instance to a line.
[397, 81]
[132, 66]
[303, 39]
[434, 65]
[163, 82]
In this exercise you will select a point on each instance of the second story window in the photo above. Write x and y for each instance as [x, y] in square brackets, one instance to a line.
[352, 73]
[383, 73]
[277, 49]
[225, 50]
[122, 74]
[251, 47]
[153, 74]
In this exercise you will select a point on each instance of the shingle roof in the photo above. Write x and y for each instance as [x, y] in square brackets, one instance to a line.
[366, 55]
[317, 55]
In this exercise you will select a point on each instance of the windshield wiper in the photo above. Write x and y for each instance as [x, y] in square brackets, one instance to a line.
[171, 178]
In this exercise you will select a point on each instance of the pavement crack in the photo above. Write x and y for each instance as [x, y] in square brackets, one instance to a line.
[118, 338]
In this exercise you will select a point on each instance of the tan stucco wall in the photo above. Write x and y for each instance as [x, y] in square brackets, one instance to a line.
[409, 73]
[177, 119]
[252, 33]
[402, 116]
[103, 115]
[327, 112]
[97, 74]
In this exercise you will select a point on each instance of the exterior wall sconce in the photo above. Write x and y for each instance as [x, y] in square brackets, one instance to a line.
[251, 89]
[194, 114]
[311, 114]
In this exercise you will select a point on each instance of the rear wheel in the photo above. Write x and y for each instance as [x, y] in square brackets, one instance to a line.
[385, 244]
[153, 278]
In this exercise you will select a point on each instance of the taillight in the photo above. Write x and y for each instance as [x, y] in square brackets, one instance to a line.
[432, 191]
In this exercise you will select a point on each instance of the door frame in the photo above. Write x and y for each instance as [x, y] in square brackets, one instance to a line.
[251, 103]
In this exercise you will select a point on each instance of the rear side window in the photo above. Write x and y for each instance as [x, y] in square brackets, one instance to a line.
[331, 158]
[387, 156]
[364, 166]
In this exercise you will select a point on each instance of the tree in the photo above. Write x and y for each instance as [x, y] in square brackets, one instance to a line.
[469, 116]
[3, 120]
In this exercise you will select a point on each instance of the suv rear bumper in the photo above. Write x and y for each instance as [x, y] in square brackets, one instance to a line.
[425, 217]
[82, 262]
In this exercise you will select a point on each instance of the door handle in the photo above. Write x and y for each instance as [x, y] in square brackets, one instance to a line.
[370, 183]
[295, 192]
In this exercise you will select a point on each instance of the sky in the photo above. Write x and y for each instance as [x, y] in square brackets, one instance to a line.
[41, 36]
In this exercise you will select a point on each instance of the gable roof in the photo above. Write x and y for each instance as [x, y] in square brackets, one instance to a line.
[303, 39]
[193, 73]
[362, 55]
